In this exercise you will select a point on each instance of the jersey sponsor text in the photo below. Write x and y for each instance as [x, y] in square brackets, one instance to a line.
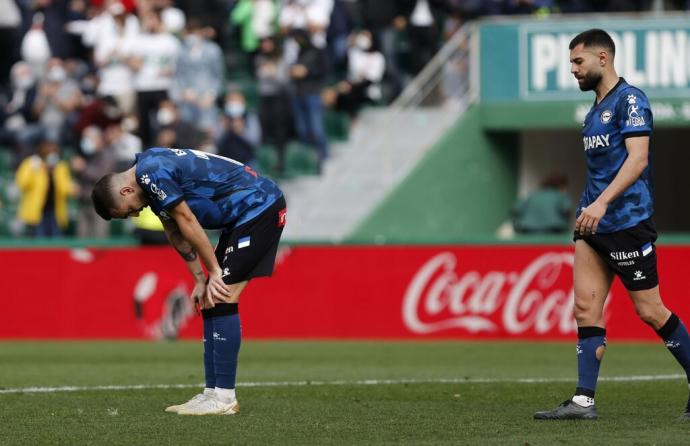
[596, 141]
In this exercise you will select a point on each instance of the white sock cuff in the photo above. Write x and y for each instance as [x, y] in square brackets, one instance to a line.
[583, 400]
[225, 395]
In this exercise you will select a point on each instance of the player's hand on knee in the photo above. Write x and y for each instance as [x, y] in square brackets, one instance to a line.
[198, 294]
[216, 288]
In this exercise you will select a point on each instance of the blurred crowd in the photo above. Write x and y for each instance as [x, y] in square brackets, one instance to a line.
[87, 84]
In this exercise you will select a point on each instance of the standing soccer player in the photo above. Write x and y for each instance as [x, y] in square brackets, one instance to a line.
[190, 190]
[614, 230]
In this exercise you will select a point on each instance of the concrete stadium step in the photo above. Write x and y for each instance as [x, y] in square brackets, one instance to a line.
[383, 148]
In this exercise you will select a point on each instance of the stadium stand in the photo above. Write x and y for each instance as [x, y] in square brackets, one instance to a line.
[96, 47]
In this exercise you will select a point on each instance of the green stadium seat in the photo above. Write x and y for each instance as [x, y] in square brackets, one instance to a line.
[266, 157]
[301, 159]
[337, 125]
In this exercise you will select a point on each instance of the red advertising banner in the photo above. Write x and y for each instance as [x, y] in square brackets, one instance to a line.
[334, 292]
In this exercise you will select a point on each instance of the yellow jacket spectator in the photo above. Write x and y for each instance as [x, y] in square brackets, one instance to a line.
[45, 184]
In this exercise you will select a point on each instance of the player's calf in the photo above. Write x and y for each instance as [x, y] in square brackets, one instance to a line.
[590, 351]
[677, 341]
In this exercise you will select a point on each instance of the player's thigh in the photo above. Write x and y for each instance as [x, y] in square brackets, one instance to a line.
[592, 279]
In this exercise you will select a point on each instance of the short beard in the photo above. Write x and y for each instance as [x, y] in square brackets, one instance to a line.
[590, 82]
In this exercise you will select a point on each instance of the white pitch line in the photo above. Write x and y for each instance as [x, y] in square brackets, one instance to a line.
[364, 382]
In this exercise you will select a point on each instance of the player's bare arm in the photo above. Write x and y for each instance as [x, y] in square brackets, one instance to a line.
[194, 234]
[188, 253]
[632, 168]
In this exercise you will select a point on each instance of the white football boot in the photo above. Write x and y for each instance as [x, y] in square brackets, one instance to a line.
[211, 406]
[196, 399]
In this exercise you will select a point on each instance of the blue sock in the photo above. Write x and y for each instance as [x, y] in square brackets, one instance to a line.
[209, 371]
[677, 340]
[589, 340]
[227, 335]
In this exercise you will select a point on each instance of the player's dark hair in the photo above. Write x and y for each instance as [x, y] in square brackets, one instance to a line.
[103, 196]
[594, 37]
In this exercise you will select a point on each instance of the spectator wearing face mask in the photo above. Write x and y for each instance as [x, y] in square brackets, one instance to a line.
[236, 107]
[173, 131]
[198, 77]
[87, 172]
[58, 99]
[45, 184]
[241, 133]
[366, 67]
[123, 144]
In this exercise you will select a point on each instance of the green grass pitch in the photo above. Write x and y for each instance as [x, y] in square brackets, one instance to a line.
[296, 393]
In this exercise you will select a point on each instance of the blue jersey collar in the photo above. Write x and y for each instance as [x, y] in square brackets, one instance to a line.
[611, 91]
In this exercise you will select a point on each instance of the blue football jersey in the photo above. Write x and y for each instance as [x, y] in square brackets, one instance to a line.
[221, 192]
[624, 112]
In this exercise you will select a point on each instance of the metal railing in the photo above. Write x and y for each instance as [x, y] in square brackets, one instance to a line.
[448, 76]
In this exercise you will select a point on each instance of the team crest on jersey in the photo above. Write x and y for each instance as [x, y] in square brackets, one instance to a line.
[145, 178]
[632, 99]
[606, 116]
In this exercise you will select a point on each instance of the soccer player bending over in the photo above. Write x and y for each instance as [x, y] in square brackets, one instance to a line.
[614, 230]
[191, 190]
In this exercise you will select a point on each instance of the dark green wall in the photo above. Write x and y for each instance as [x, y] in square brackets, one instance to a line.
[464, 186]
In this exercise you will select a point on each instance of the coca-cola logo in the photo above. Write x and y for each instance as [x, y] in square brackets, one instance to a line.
[537, 299]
